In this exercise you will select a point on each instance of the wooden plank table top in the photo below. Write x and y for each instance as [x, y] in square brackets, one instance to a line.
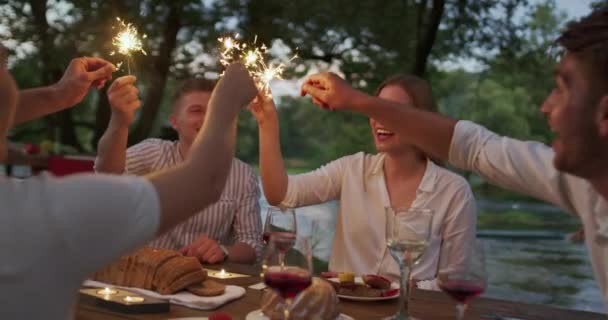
[422, 305]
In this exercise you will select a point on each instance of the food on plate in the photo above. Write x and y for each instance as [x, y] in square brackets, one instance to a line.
[164, 271]
[376, 281]
[373, 286]
[346, 278]
[318, 301]
[207, 288]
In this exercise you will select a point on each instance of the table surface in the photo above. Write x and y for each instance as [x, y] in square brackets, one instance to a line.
[422, 305]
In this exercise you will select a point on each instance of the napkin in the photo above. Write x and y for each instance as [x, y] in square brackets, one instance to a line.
[182, 298]
[428, 285]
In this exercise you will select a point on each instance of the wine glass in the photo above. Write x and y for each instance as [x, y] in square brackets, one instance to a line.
[279, 220]
[408, 232]
[288, 272]
[462, 273]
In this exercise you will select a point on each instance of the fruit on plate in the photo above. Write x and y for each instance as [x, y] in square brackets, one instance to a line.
[376, 281]
[346, 278]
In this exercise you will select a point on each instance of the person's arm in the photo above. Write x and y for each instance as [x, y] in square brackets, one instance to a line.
[8, 102]
[428, 131]
[81, 75]
[209, 161]
[272, 169]
[525, 167]
[280, 189]
[111, 150]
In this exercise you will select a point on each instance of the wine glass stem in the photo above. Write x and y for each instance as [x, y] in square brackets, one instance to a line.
[460, 308]
[403, 291]
[282, 260]
[286, 306]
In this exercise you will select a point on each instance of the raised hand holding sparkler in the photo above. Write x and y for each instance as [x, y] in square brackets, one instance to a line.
[127, 42]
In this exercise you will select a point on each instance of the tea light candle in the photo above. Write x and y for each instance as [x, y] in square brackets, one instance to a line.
[107, 291]
[133, 299]
[222, 274]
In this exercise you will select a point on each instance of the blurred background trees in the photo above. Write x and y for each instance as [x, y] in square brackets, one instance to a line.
[506, 48]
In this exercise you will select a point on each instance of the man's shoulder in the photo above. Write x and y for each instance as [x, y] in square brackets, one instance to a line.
[152, 146]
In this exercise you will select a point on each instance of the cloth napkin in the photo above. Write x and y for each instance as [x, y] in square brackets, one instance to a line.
[182, 298]
[428, 285]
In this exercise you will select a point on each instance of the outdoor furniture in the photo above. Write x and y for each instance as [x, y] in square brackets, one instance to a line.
[422, 305]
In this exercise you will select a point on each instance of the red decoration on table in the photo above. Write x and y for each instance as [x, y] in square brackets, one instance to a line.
[219, 316]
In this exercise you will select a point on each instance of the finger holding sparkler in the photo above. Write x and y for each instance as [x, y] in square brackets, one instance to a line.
[127, 41]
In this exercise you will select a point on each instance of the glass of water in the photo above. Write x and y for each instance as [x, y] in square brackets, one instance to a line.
[408, 232]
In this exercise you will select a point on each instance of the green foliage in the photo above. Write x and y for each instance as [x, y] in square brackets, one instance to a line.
[365, 40]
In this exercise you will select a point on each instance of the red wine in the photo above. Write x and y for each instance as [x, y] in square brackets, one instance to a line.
[461, 291]
[289, 282]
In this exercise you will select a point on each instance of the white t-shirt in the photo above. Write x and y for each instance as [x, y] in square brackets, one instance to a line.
[56, 232]
[527, 167]
[359, 243]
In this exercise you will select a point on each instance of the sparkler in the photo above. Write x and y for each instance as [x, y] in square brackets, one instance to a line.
[253, 59]
[127, 42]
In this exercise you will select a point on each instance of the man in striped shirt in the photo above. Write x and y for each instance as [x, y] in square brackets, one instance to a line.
[230, 228]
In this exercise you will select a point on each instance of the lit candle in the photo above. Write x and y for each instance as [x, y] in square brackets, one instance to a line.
[223, 274]
[106, 291]
[133, 299]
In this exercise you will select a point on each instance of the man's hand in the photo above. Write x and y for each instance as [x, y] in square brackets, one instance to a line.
[81, 75]
[236, 85]
[329, 91]
[124, 101]
[205, 249]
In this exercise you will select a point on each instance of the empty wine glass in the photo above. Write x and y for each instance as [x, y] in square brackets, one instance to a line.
[462, 273]
[408, 232]
[279, 220]
[288, 272]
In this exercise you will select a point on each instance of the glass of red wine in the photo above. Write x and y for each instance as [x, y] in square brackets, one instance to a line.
[462, 273]
[288, 272]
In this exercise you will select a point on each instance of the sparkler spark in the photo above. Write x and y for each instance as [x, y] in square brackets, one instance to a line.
[127, 42]
[253, 59]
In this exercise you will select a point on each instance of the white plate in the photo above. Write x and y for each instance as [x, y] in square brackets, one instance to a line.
[258, 315]
[394, 285]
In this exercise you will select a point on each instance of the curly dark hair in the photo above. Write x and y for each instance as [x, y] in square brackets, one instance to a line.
[587, 38]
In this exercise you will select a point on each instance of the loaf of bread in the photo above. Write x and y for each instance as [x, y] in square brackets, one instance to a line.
[161, 270]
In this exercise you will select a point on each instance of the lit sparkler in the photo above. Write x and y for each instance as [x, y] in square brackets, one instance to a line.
[253, 59]
[127, 42]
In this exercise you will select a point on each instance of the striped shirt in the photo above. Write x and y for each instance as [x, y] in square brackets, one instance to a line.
[234, 218]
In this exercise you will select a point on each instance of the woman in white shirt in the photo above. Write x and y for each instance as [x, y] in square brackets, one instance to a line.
[399, 175]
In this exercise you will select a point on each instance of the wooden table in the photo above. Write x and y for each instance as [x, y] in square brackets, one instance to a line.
[422, 305]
